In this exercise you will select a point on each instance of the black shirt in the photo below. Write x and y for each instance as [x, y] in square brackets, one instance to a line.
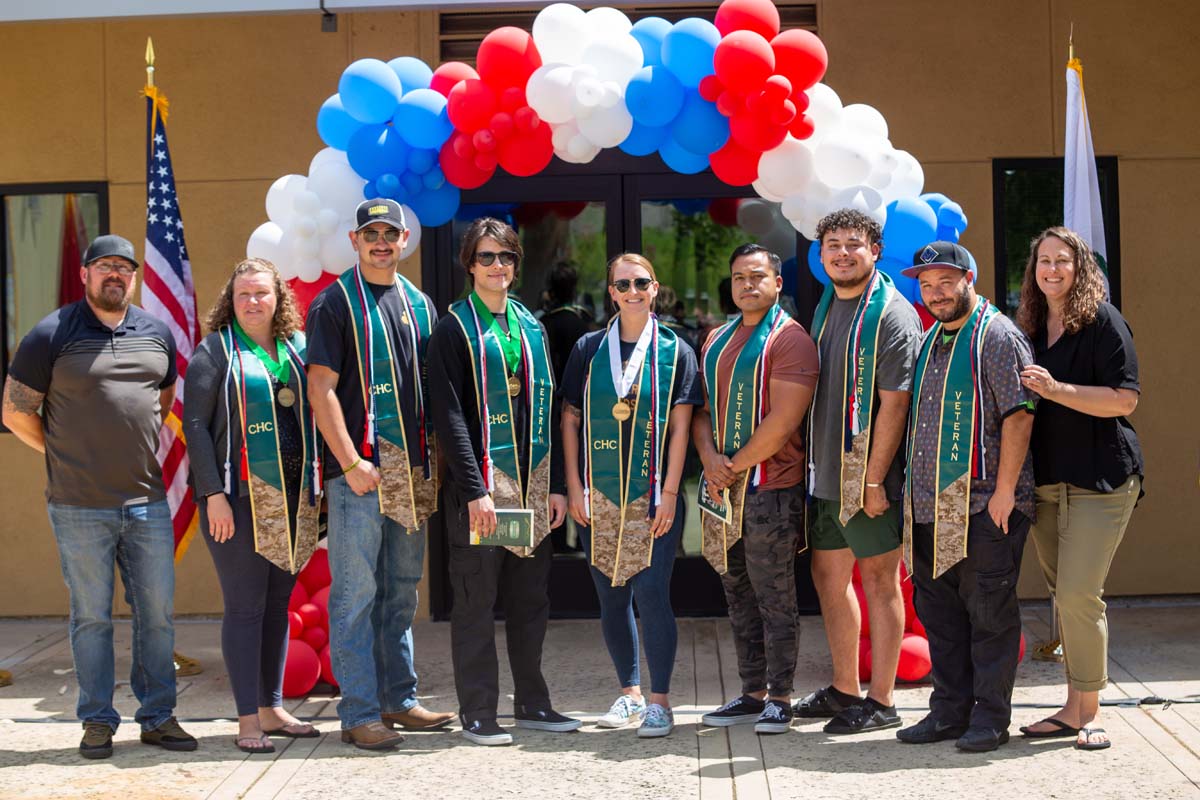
[331, 344]
[1096, 453]
[564, 326]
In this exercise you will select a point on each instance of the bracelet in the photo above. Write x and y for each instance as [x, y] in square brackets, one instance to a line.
[347, 470]
[874, 485]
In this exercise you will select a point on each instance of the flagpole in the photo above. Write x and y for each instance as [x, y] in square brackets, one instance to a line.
[149, 61]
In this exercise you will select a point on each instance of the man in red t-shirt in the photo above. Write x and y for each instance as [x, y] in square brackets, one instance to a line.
[759, 577]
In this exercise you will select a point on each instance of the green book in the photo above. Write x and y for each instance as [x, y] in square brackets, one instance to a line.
[722, 511]
[514, 528]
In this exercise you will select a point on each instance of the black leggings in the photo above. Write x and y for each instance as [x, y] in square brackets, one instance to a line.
[254, 630]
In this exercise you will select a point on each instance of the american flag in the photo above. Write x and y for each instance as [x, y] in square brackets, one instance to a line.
[169, 294]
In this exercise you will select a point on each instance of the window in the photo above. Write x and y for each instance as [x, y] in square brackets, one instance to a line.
[44, 230]
[1028, 198]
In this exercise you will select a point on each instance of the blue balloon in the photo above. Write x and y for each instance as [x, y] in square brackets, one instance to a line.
[370, 91]
[376, 149]
[690, 206]
[400, 195]
[412, 72]
[791, 276]
[421, 161]
[814, 263]
[422, 119]
[371, 191]
[644, 140]
[412, 182]
[334, 125]
[433, 179]
[654, 96]
[437, 206]
[650, 33]
[951, 221]
[688, 49]
[909, 288]
[935, 200]
[680, 159]
[911, 224]
[699, 126]
[387, 183]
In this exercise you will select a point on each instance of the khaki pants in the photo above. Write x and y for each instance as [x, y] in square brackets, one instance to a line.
[1076, 535]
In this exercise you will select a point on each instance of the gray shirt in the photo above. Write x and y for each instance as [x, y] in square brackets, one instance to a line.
[899, 343]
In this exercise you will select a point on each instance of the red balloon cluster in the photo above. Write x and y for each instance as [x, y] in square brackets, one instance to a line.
[493, 123]
[308, 615]
[760, 82]
[533, 213]
[305, 293]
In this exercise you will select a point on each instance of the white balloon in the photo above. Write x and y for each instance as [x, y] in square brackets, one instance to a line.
[794, 206]
[414, 233]
[308, 269]
[616, 58]
[607, 127]
[306, 203]
[338, 186]
[842, 159]
[824, 109]
[764, 192]
[807, 226]
[864, 120]
[607, 21]
[327, 221]
[337, 254]
[327, 156]
[264, 243]
[562, 134]
[787, 168]
[755, 216]
[550, 90]
[861, 198]
[588, 91]
[908, 180]
[281, 197]
[305, 227]
[560, 32]
[613, 94]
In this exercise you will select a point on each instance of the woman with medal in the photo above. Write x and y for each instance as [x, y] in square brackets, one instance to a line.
[628, 395]
[252, 445]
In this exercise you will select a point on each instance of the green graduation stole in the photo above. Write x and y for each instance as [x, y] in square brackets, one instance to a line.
[622, 494]
[249, 379]
[734, 424]
[960, 447]
[408, 488]
[499, 462]
[858, 390]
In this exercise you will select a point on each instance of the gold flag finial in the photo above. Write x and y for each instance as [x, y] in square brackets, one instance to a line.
[1071, 43]
[149, 61]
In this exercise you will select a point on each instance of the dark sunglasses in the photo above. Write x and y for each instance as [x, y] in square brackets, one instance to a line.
[370, 235]
[641, 284]
[486, 258]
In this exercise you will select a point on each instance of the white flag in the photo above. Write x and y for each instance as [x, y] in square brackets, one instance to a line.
[1081, 183]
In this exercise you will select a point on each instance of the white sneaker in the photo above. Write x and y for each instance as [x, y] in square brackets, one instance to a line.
[657, 721]
[623, 711]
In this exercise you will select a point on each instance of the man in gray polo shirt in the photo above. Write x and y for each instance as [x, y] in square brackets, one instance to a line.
[102, 373]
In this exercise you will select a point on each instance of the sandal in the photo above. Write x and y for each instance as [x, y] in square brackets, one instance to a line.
[295, 730]
[1088, 744]
[1062, 730]
[261, 744]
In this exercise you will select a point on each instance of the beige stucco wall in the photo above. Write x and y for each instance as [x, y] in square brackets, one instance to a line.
[960, 84]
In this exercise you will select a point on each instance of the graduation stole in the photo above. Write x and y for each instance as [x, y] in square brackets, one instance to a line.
[622, 493]
[745, 406]
[960, 447]
[858, 388]
[249, 386]
[499, 461]
[408, 489]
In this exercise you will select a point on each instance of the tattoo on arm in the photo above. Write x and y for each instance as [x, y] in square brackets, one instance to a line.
[20, 398]
[570, 409]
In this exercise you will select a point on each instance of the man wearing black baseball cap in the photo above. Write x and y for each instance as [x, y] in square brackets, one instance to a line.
[968, 502]
[90, 386]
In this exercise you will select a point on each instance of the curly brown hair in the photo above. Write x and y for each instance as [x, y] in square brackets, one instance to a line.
[850, 219]
[287, 317]
[1084, 297]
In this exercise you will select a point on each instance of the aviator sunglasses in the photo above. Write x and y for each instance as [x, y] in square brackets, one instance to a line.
[370, 235]
[486, 258]
[641, 284]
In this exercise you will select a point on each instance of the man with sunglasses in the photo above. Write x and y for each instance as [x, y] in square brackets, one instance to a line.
[90, 386]
[367, 334]
[490, 370]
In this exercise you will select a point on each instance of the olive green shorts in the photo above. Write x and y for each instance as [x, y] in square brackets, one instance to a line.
[865, 536]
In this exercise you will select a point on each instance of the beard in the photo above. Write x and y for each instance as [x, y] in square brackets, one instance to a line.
[106, 299]
[962, 305]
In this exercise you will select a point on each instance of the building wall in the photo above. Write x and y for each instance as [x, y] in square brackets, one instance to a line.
[959, 83]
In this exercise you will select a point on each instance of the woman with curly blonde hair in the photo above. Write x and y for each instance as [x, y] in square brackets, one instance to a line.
[1087, 461]
[252, 444]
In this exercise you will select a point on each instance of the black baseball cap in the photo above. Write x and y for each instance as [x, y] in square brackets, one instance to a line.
[940, 255]
[379, 209]
[110, 245]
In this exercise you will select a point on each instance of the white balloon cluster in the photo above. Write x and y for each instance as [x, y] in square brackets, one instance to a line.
[587, 61]
[848, 162]
[310, 218]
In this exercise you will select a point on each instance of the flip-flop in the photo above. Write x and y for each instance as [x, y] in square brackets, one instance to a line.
[1063, 730]
[309, 731]
[1088, 744]
[261, 740]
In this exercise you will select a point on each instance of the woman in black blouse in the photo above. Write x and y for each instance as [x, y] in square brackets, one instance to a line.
[1086, 458]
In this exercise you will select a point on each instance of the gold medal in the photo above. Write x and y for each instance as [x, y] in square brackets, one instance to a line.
[514, 386]
[621, 411]
[286, 397]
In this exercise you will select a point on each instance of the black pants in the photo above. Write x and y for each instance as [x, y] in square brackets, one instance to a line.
[254, 629]
[478, 576]
[973, 621]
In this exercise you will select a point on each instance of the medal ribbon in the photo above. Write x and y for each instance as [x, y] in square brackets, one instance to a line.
[510, 341]
[279, 366]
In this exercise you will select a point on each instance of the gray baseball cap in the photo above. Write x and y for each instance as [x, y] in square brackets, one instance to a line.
[379, 209]
[110, 245]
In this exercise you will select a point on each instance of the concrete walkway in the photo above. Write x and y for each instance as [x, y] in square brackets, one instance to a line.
[1155, 651]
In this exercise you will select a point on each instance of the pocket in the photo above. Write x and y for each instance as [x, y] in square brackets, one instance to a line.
[997, 607]
[465, 560]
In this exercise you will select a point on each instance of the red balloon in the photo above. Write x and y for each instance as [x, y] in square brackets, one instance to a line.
[802, 126]
[320, 599]
[1021, 652]
[730, 103]
[526, 119]
[760, 16]
[756, 132]
[295, 625]
[735, 165]
[914, 664]
[305, 293]
[784, 114]
[918, 627]
[512, 98]
[501, 125]
[486, 161]
[723, 211]
[531, 213]
[299, 597]
[447, 76]
[471, 105]
[315, 574]
[801, 100]
[312, 614]
[744, 60]
[910, 613]
[711, 88]
[316, 638]
[864, 659]
[327, 667]
[301, 670]
[865, 628]
[777, 88]
[484, 141]
[527, 154]
[463, 147]
[507, 57]
[460, 170]
[800, 57]
[927, 319]
[568, 210]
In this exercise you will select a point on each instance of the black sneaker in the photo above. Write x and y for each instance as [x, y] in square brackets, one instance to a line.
[776, 717]
[929, 730]
[823, 704]
[869, 715]
[741, 711]
[97, 740]
[486, 732]
[545, 720]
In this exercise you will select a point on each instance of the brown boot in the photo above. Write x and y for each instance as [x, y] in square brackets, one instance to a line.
[417, 718]
[371, 736]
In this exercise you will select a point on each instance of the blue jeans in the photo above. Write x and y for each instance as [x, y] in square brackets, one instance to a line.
[652, 589]
[139, 539]
[375, 565]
